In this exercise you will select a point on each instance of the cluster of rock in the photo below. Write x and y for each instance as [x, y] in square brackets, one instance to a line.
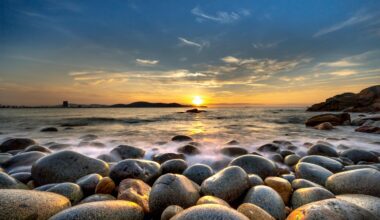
[322, 184]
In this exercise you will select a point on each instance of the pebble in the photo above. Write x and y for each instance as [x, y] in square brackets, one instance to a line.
[123, 152]
[181, 138]
[37, 148]
[304, 196]
[144, 170]
[105, 186]
[135, 190]
[173, 166]
[161, 158]
[254, 164]
[233, 151]
[312, 172]
[208, 212]
[97, 198]
[189, 150]
[171, 211]
[254, 212]
[254, 180]
[282, 187]
[323, 150]
[198, 173]
[212, 200]
[328, 163]
[8, 182]
[22, 161]
[302, 183]
[71, 191]
[367, 202]
[88, 183]
[357, 155]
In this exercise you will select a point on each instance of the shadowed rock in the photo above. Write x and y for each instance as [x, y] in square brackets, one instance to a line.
[208, 212]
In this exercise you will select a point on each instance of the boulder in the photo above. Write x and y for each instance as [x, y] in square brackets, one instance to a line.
[254, 212]
[16, 144]
[334, 119]
[254, 164]
[367, 202]
[336, 103]
[195, 110]
[135, 190]
[208, 212]
[304, 196]
[144, 170]
[71, 191]
[312, 172]
[357, 155]
[173, 166]
[328, 163]
[198, 173]
[127, 152]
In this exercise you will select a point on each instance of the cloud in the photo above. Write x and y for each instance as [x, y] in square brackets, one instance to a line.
[340, 63]
[186, 42]
[146, 62]
[343, 73]
[221, 16]
[265, 45]
[230, 59]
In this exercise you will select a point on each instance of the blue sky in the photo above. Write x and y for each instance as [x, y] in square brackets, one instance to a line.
[263, 52]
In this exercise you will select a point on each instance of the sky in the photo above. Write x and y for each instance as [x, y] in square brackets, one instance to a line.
[290, 52]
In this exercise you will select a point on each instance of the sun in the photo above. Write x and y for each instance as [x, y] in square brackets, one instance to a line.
[197, 100]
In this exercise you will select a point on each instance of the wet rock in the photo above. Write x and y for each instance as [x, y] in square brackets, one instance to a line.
[357, 155]
[254, 180]
[98, 198]
[189, 149]
[181, 138]
[66, 166]
[16, 144]
[285, 153]
[172, 189]
[367, 202]
[253, 164]
[233, 151]
[368, 129]
[356, 167]
[304, 196]
[267, 199]
[312, 172]
[195, 110]
[160, 158]
[221, 163]
[271, 147]
[227, 184]
[88, 137]
[292, 159]
[277, 158]
[212, 200]
[135, 190]
[144, 170]
[105, 186]
[23, 177]
[302, 183]
[30, 204]
[330, 209]
[233, 142]
[115, 209]
[59, 146]
[171, 211]
[8, 182]
[334, 119]
[127, 152]
[324, 126]
[361, 181]
[49, 129]
[21, 161]
[45, 187]
[209, 211]
[198, 173]
[108, 158]
[88, 183]
[288, 177]
[4, 157]
[328, 163]
[323, 150]
[173, 166]
[71, 191]
[281, 186]
[37, 148]
[254, 212]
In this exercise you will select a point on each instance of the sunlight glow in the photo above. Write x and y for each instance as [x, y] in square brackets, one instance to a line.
[197, 100]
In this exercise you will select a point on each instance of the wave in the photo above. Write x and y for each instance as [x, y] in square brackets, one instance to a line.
[76, 122]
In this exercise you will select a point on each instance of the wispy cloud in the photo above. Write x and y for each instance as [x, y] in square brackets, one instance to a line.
[340, 63]
[220, 17]
[265, 45]
[343, 73]
[186, 42]
[146, 62]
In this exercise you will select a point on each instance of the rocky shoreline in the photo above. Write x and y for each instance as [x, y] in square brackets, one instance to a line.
[323, 183]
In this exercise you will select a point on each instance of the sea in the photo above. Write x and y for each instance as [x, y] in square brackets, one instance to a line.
[152, 129]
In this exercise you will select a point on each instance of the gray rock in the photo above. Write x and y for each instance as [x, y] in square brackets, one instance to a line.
[271, 147]
[254, 212]
[66, 166]
[356, 167]
[29, 204]
[233, 151]
[304, 196]
[8, 182]
[144, 170]
[171, 211]
[189, 149]
[88, 183]
[253, 164]
[208, 212]
[37, 148]
[23, 177]
[98, 198]
[114, 209]
[267, 199]
[71, 191]
[49, 129]
[328, 163]
[181, 138]
[173, 166]
[172, 189]
[198, 173]
[323, 150]
[361, 181]
[228, 184]
[160, 158]
[367, 202]
[289, 177]
[212, 200]
[127, 152]
[302, 183]
[16, 144]
[312, 172]
[22, 161]
[357, 155]
[45, 187]
[254, 180]
[88, 137]
[4, 157]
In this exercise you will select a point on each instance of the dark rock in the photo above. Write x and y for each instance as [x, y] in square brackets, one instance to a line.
[16, 144]
[160, 158]
[233, 142]
[195, 110]
[22, 160]
[59, 146]
[367, 202]
[71, 191]
[254, 180]
[308, 195]
[181, 138]
[292, 159]
[324, 126]
[189, 149]
[171, 211]
[271, 147]
[23, 177]
[368, 129]
[328, 163]
[127, 152]
[88, 137]
[254, 212]
[285, 153]
[233, 151]
[356, 167]
[303, 183]
[37, 148]
[323, 150]
[136, 191]
[277, 158]
[49, 129]
[212, 200]
[289, 177]
[88, 183]
[144, 170]
[4, 157]
[253, 164]
[357, 155]
[173, 166]
[8, 182]
[334, 119]
[208, 212]
[97, 198]
[198, 173]
[312, 172]
[108, 158]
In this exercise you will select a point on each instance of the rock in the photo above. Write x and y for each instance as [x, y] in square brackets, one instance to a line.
[171, 211]
[336, 103]
[285, 153]
[271, 147]
[22, 161]
[208, 212]
[115, 209]
[212, 200]
[267, 199]
[59, 146]
[173, 166]
[98, 198]
[37, 148]
[281, 186]
[160, 158]
[253, 164]
[105, 186]
[16, 144]
[45, 187]
[368, 129]
[328, 163]
[66, 166]
[181, 138]
[4, 157]
[88, 137]
[324, 126]
[198, 173]
[227, 184]
[108, 158]
[88, 183]
[334, 119]
[8, 182]
[292, 159]
[23, 177]
[189, 149]
[362, 181]
[357, 155]
[49, 129]
[135, 190]
[330, 209]
[195, 110]
[30, 204]
[254, 212]
[172, 189]
[302, 183]
[233, 142]
[277, 158]
[71, 191]
[254, 180]
[323, 150]
[233, 151]
[127, 152]
[356, 167]
[304, 196]
[144, 170]
[288, 177]
[367, 202]
[312, 172]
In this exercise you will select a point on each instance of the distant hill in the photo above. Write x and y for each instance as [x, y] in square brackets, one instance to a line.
[148, 105]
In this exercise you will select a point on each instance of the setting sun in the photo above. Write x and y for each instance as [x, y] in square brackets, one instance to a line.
[197, 100]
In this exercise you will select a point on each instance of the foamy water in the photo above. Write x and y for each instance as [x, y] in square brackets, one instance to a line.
[152, 129]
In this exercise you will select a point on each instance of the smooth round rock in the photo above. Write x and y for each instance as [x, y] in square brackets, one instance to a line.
[173, 166]
[357, 155]
[282, 187]
[227, 184]
[66, 166]
[330, 209]
[362, 181]
[105, 186]
[123, 152]
[22, 160]
[208, 212]
[254, 164]
[144, 170]
[212, 200]
[71, 191]
[4, 157]
[135, 190]
[312, 172]
[30, 204]
[254, 180]
[23, 177]
[323, 150]
[161, 158]
[171, 211]
[270, 147]
[49, 129]
[114, 209]
[8, 182]
[189, 150]
[304, 196]
[328, 163]
[370, 203]
[267, 199]
[16, 144]
[289, 177]
[172, 189]
[302, 183]
[88, 183]
[198, 173]
[37, 148]
[181, 138]
[254, 212]
[98, 198]
[233, 151]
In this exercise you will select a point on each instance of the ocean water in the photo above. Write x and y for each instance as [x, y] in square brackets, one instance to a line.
[152, 129]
